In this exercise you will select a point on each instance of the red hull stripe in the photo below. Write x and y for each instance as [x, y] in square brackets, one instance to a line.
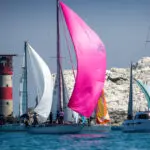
[5, 93]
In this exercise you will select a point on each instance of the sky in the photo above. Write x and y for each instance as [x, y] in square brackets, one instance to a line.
[122, 25]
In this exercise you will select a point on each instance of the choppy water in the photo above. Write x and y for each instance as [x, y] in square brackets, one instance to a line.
[115, 140]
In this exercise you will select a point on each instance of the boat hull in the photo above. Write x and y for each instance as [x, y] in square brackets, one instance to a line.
[12, 128]
[56, 129]
[138, 125]
[116, 128]
[96, 129]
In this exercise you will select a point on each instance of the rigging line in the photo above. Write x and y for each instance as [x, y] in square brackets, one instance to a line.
[62, 18]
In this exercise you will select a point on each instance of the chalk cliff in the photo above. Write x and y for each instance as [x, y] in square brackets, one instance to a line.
[117, 89]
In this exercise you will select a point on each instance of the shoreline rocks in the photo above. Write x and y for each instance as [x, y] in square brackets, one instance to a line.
[117, 89]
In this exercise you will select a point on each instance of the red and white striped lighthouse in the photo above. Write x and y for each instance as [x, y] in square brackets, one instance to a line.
[6, 91]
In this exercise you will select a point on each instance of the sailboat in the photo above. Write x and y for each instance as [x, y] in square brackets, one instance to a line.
[90, 77]
[141, 121]
[101, 121]
[44, 83]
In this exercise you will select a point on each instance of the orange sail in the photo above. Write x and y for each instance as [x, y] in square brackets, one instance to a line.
[102, 116]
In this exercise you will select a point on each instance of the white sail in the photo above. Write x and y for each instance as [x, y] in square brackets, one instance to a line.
[44, 81]
[22, 90]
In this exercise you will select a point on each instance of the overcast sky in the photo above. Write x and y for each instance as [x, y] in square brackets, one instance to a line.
[121, 24]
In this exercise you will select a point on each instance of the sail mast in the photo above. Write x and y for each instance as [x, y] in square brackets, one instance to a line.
[58, 56]
[130, 104]
[25, 76]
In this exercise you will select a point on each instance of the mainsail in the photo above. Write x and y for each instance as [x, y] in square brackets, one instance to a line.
[44, 81]
[102, 116]
[145, 89]
[91, 63]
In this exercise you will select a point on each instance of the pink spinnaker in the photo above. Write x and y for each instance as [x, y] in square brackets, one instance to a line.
[91, 63]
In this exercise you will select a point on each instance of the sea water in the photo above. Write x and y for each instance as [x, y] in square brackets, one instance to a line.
[114, 140]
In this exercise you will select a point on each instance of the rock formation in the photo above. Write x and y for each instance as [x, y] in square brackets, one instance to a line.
[117, 89]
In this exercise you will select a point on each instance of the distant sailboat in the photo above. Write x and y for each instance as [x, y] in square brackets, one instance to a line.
[102, 116]
[89, 81]
[141, 121]
[101, 121]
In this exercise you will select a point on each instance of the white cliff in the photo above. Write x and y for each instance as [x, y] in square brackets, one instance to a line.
[117, 89]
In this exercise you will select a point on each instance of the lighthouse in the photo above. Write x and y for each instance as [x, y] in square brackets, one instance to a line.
[6, 91]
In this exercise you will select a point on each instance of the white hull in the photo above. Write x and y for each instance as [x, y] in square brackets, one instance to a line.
[96, 128]
[56, 129]
[12, 128]
[138, 125]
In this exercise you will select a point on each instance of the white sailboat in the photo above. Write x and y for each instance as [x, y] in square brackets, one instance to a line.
[141, 121]
[44, 82]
